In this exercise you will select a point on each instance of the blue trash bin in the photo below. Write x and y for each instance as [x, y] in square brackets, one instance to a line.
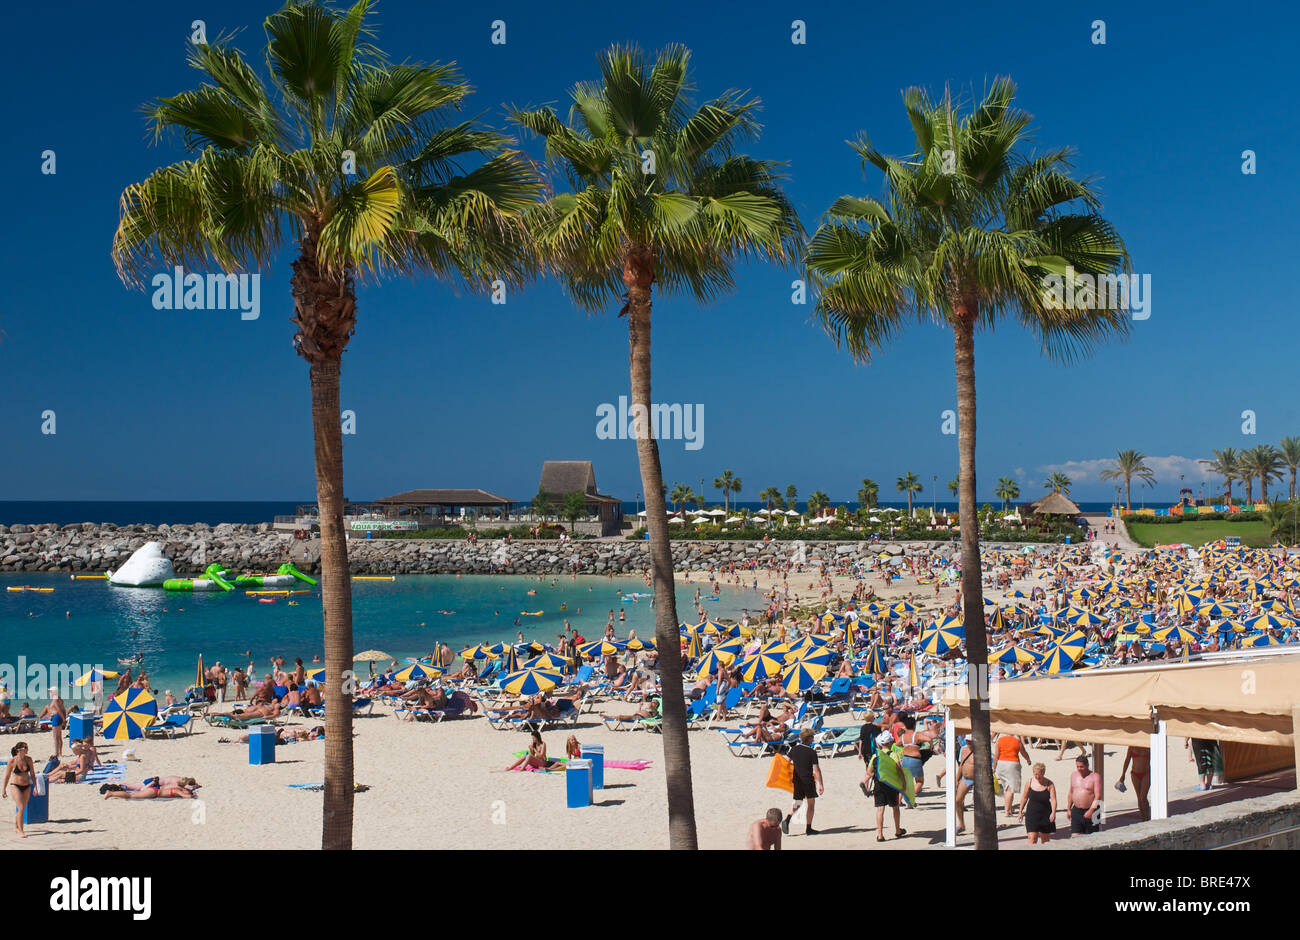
[261, 744]
[577, 781]
[38, 805]
[1067, 540]
[596, 754]
[81, 725]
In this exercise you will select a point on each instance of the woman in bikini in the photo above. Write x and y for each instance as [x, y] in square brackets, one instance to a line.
[155, 790]
[19, 775]
[536, 756]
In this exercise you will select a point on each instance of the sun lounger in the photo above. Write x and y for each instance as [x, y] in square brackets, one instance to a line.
[177, 721]
[234, 722]
[840, 741]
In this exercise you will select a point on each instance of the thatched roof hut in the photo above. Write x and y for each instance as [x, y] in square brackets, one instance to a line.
[1054, 504]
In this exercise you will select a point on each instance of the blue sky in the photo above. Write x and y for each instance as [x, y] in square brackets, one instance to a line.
[450, 390]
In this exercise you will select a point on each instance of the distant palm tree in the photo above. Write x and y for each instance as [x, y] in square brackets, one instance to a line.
[1129, 464]
[1225, 463]
[680, 494]
[868, 493]
[910, 484]
[791, 497]
[1283, 519]
[366, 169]
[771, 496]
[1058, 483]
[729, 483]
[972, 226]
[817, 502]
[953, 486]
[1264, 461]
[1290, 451]
[1008, 489]
[659, 199]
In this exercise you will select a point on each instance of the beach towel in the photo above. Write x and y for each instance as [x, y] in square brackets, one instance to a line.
[889, 771]
[107, 773]
[780, 775]
[640, 764]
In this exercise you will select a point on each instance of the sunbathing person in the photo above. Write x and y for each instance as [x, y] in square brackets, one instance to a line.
[649, 710]
[82, 763]
[254, 711]
[283, 736]
[156, 790]
[536, 756]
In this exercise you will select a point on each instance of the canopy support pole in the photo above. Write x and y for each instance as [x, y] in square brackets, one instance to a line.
[950, 779]
[1159, 793]
[1099, 767]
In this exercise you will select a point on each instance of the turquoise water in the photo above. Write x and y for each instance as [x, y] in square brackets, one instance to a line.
[400, 617]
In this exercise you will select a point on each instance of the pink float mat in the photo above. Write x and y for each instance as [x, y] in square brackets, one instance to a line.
[629, 764]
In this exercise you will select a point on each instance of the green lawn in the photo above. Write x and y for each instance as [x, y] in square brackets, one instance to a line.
[1197, 533]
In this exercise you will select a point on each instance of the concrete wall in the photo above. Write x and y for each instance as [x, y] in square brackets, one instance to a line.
[1206, 828]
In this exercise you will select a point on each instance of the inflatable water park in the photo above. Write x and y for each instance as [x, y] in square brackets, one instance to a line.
[149, 566]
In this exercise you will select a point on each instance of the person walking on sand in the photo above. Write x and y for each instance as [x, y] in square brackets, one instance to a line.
[1038, 806]
[1085, 797]
[20, 775]
[885, 795]
[57, 712]
[1140, 758]
[765, 833]
[1010, 752]
[807, 781]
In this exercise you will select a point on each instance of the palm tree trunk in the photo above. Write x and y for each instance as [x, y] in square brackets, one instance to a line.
[325, 315]
[336, 600]
[1128, 498]
[638, 275]
[1263, 487]
[972, 590]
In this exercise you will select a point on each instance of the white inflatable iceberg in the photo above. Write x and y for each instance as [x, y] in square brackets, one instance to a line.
[147, 567]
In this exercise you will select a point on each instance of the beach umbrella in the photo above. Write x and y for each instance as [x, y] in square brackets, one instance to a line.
[693, 646]
[1058, 659]
[997, 622]
[548, 662]
[1268, 620]
[736, 630]
[496, 649]
[1260, 639]
[775, 648]
[1075, 642]
[371, 656]
[800, 677]
[938, 641]
[477, 651]
[531, 681]
[710, 627]
[1181, 634]
[1228, 626]
[1276, 606]
[202, 679]
[95, 675]
[1217, 609]
[1077, 615]
[875, 662]
[735, 647]
[759, 667]
[417, 671]
[1014, 654]
[636, 643]
[902, 607]
[128, 714]
[601, 648]
[805, 642]
[818, 655]
[316, 675]
[712, 662]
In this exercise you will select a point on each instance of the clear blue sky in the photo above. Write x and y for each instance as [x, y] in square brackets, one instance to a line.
[451, 391]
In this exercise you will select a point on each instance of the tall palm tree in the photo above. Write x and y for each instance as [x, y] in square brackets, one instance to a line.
[791, 497]
[1290, 451]
[1129, 464]
[1008, 489]
[817, 502]
[1058, 483]
[868, 494]
[910, 484]
[659, 196]
[680, 494]
[1264, 461]
[968, 231]
[771, 497]
[729, 483]
[269, 161]
[1225, 464]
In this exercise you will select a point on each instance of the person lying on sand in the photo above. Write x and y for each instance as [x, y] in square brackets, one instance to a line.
[283, 736]
[254, 711]
[156, 789]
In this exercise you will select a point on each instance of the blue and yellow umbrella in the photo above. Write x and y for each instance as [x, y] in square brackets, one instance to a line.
[417, 671]
[547, 662]
[637, 644]
[875, 663]
[801, 676]
[1014, 654]
[128, 714]
[1268, 620]
[713, 660]
[601, 648]
[95, 675]
[316, 675]
[938, 640]
[478, 651]
[1260, 639]
[531, 681]
[1176, 632]
[1058, 659]
[816, 655]
[1217, 609]
[774, 648]
[760, 666]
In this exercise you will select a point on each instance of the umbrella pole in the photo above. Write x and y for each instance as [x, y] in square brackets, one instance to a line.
[949, 779]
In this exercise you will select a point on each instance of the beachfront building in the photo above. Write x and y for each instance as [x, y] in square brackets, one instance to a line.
[563, 477]
[412, 510]
[1054, 504]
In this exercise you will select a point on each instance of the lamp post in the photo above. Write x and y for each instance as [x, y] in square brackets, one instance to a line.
[934, 491]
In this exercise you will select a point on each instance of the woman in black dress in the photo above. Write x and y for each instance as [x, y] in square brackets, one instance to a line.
[1038, 806]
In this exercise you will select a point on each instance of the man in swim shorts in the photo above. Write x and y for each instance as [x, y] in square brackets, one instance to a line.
[765, 833]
